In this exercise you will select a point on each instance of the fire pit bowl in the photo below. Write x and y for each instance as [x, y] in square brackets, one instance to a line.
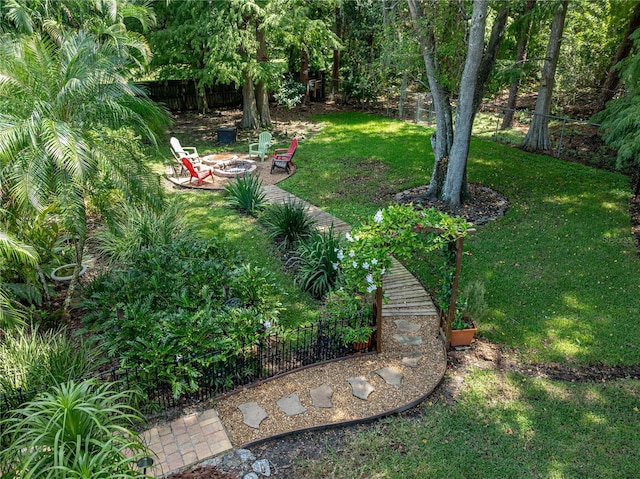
[234, 167]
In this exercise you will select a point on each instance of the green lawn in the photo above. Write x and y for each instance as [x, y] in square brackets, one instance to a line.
[560, 268]
[504, 425]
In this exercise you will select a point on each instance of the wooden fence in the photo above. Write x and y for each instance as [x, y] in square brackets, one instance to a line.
[182, 95]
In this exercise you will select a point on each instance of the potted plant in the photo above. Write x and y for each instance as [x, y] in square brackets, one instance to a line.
[473, 308]
[353, 315]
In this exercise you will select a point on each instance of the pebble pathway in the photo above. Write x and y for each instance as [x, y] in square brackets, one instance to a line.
[200, 438]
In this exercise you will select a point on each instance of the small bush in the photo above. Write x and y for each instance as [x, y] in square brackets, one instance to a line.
[317, 263]
[288, 222]
[246, 194]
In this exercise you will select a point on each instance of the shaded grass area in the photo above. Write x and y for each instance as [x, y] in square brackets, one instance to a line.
[503, 425]
[208, 211]
[560, 268]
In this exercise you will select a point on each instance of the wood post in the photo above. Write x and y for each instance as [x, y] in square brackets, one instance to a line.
[451, 313]
[379, 319]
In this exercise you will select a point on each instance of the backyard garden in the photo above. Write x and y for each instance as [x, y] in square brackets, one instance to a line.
[552, 361]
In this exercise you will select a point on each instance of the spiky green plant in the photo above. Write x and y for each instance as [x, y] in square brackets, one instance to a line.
[76, 430]
[288, 222]
[139, 227]
[317, 262]
[33, 360]
[245, 194]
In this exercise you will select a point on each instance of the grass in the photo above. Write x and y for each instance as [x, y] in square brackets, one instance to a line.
[560, 268]
[503, 425]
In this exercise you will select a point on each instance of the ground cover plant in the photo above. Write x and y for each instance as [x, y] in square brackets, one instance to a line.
[560, 268]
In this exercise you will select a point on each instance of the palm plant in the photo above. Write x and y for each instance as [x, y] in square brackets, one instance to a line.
[62, 108]
[13, 250]
[246, 194]
[288, 222]
[77, 430]
[317, 262]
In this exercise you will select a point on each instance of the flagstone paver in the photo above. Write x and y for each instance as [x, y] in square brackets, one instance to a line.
[360, 387]
[321, 396]
[403, 326]
[411, 359]
[406, 340]
[391, 375]
[252, 414]
[291, 405]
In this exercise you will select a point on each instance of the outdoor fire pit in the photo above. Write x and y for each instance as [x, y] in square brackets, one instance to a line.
[233, 168]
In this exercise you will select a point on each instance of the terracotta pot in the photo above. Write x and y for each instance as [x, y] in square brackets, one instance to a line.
[462, 337]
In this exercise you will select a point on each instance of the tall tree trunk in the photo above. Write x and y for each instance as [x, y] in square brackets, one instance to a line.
[75, 279]
[262, 95]
[613, 77]
[304, 73]
[335, 70]
[249, 107]
[465, 112]
[538, 135]
[521, 57]
[442, 139]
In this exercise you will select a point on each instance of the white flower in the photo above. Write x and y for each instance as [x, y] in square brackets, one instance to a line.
[382, 272]
[351, 254]
[340, 255]
[267, 324]
[348, 236]
[335, 266]
[178, 357]
[365, 265]
[371, 288]
[378, 217]
[355, 264]
[370, 279]
[374, 261]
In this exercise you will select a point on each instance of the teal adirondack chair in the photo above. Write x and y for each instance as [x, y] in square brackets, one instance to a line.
[260, 148]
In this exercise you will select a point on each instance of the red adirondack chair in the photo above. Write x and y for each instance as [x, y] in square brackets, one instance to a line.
[283, 157]
[198, 175]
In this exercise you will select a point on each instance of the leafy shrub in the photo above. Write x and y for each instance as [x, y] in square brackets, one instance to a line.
[288, 222]
[139, 227]
[246, 194]
[317, 259]
[166, 314]
[289, 93]
[77, 430]
[32, 360]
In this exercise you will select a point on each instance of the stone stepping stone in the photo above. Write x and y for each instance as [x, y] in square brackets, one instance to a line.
[291, 405]
[321, 396]
[360, 387]
[403, 326]
[411, 359]
[262, 467]
[406, 340]
[252, 414]
[392, 376]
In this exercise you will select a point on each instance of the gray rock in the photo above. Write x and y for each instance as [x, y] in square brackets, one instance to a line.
[411, 359]
[392, 376]
[406, 340]
[262, 467]
[245, 455]
[360, 387]
[291, 405]
[251, 475]
[214, 461]
[403, 326]
[321, 396]
[252, 414]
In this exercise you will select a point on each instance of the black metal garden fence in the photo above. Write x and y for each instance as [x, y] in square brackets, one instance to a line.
[211, 375]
